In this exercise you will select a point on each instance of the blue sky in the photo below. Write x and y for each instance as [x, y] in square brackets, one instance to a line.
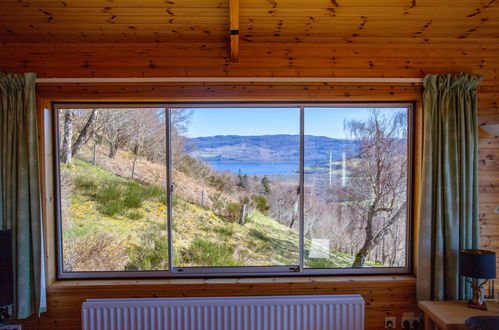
[261, 121]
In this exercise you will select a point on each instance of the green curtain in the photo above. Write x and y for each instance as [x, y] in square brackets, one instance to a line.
[20, 208]
[449, 190]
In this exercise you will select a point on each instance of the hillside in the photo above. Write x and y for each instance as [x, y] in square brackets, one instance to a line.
[118, 223]
[264, 148]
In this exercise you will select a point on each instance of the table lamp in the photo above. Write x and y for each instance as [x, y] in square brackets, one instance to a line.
[477, 264]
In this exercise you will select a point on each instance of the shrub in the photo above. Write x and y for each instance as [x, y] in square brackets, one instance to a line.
[205, 253]
[151, 254]
[319, 263]
[261, 204]
[134, 196]
[110, 192]
[135, 215]
[192, 167]
[116, 197]
[154, 191]
[233, 211]
[216, 182]
[94, 252]
[113, 207]
[86, 184]
[224, 231]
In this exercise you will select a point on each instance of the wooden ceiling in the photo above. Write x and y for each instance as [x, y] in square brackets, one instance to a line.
[261, 21]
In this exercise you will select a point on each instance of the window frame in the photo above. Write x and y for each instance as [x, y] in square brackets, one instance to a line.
[239, 271]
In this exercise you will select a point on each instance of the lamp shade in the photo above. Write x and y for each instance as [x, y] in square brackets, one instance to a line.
[477, 263]
[491, 129]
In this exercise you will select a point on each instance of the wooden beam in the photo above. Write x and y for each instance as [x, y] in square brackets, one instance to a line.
[230, 80]
[234, 30]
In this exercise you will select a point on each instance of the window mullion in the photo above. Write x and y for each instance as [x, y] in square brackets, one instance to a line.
[169, 187]
[302, 188]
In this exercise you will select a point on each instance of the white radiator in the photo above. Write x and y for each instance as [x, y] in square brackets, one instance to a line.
[340, 312]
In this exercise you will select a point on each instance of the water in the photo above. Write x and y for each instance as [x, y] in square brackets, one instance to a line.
[256, 168]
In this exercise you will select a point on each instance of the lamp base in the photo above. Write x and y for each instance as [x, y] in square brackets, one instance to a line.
[477, 300]
[481, 306]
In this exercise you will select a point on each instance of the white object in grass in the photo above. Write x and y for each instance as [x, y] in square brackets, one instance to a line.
[319, 248]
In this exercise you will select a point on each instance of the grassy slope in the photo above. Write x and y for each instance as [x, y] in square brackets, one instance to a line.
[201, 238]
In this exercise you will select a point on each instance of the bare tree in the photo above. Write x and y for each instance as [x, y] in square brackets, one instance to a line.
[379, 178]
[119, 128]
[85, 133]
[67, 136]
[180, 119]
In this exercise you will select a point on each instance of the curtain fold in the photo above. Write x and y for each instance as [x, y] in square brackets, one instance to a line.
[449, 190]
[20, 207]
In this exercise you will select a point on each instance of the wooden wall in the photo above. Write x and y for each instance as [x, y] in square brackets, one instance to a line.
[255, 60]
[488, 169]
[385, 296]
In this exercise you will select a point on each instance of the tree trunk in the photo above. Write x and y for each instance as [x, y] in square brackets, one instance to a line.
[113, 149]
[361, 255]
[371, 239]
[85, 133]
[68, 136]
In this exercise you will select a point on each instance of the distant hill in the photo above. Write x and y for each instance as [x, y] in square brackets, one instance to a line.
[280, 148]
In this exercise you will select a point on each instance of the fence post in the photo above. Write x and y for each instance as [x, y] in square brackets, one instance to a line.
[243, 215]
[94, 158]
[202, 198]
[133, 166]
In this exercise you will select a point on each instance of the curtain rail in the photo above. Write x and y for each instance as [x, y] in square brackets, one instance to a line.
[229, 80]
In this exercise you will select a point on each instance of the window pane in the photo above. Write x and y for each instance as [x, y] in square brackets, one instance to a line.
[236, 173]
[112, 181]
[355, 187]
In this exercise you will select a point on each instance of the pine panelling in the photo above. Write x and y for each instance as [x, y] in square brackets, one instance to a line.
[245, 3]
[383, 295]
[232, 92]
[322, 21]
[260, 60]
[488, 169]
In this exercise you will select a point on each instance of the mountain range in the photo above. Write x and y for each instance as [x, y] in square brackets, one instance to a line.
[280, 148]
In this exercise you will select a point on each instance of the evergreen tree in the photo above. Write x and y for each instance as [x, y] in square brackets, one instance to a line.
[266, 184]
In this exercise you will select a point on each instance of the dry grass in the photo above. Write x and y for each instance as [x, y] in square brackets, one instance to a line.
[147, 172]
[94, 252]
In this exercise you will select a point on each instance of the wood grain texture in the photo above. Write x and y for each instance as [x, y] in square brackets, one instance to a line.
[255, 60]
[488, 170]
[234, 30]
[317, 21]
[383, 295]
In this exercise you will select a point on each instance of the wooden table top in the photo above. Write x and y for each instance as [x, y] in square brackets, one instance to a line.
[453, 313]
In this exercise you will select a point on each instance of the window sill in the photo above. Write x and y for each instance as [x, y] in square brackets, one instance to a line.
[340, 280]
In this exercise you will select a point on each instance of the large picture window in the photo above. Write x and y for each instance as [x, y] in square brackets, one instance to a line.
[233, 189]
